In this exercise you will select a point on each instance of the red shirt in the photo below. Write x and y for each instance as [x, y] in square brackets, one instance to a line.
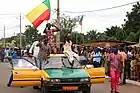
[115, 62]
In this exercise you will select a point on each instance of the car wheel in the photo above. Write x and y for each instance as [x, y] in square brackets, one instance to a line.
[87, 90]
[43, 89]
[35, 87]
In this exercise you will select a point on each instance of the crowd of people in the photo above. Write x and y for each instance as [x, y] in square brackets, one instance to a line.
[121, 63]
[6, 54]
[130, 58]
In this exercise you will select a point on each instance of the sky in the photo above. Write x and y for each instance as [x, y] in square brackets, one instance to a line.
[10, 11]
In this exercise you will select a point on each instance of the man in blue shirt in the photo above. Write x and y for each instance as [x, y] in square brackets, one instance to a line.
[14, 56]
[97, 58]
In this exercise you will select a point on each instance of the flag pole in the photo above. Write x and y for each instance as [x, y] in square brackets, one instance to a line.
[58, 24]
[139, 41]
[81, 28]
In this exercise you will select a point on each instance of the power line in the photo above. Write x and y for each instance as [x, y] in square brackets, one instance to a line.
[102, 9]
[5, 17]
[10, 28]
[10, 14]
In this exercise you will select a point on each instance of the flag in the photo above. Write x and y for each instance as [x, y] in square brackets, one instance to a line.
[40, 13]
[81, 19]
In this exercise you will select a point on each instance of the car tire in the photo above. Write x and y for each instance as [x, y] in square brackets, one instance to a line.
[35, 87]
[43, 88]
[87, 90]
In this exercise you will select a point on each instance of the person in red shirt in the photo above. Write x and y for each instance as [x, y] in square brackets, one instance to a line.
[49, 31]
[115, 62]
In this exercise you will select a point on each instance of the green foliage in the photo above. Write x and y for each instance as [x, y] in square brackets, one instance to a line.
[30, 35]
[92, 35]
[67, 24]
[132, 23]
[115, 33]
[131, 37]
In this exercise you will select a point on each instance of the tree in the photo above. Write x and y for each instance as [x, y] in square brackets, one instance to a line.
[30, 35]
[132, 22]
[121, 35]
[131, 37]
[111, 32]
[67, 24]
[137, 35]
[116, 33]
[92, 35]
[102, 36]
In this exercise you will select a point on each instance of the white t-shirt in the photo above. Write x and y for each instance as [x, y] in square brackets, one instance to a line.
[67, 46]
[6, 53]
[35, 49]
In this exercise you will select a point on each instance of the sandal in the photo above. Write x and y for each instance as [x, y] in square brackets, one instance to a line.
[8, 85]
[111, 91]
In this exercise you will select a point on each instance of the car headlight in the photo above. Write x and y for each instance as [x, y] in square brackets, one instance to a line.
[53, 80]
[84, 80]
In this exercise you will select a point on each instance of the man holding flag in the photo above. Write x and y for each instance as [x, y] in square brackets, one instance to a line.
[36, 17]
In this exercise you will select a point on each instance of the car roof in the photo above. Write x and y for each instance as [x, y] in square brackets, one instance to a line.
[57, 55]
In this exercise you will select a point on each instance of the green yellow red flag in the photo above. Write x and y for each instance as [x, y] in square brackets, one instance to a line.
[40, 13]
[81, 20]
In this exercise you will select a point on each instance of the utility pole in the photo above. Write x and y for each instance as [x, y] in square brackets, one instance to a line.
[58, 24]
[20, 33]
[139, 41]
[4, 38]
[76, 38]
[14, 33]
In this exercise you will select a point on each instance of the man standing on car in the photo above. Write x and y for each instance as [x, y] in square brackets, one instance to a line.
[68, 49]
[44, 51]
[34, 50]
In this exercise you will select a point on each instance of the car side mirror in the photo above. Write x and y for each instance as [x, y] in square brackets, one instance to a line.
[35, 68]
[89, 66]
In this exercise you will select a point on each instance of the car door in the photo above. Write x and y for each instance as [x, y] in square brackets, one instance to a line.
[25, 73]
[97, 75]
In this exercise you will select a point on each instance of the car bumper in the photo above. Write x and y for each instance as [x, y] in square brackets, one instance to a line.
[59, 86]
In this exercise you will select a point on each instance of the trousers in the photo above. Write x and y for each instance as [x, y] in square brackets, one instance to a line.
[10, 80]
[114, 79]
[41, 61]
[71, 55]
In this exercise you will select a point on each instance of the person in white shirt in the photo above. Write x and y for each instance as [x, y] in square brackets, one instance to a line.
[68, 50]
[34, 50]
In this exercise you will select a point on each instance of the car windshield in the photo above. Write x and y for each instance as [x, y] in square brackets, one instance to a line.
[22, 64]
[82, 58]
[60, 62]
